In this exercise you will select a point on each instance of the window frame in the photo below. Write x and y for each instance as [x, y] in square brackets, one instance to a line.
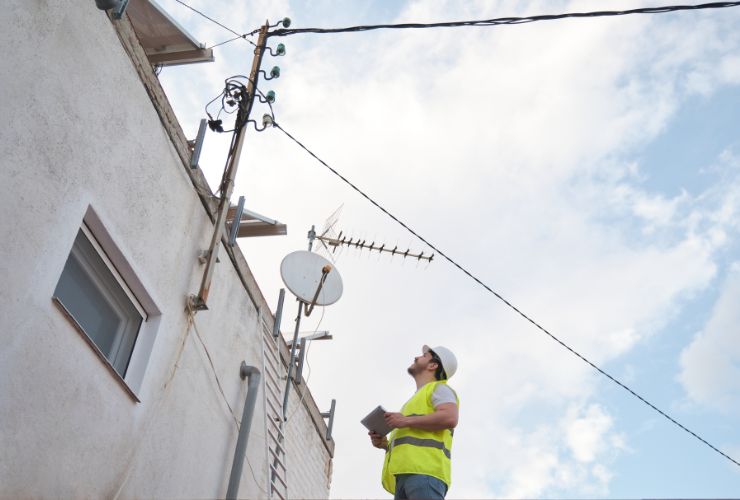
[115, 262]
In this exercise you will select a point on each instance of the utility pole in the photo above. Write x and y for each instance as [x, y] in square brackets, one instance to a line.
[199, 302]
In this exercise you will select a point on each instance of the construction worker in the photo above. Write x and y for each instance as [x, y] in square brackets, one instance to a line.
[417, 451]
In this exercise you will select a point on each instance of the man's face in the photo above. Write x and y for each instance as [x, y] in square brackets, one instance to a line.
[420, 364]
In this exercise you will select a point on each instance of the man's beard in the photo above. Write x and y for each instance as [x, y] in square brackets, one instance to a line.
[412, 370]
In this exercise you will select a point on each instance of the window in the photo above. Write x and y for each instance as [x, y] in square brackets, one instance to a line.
[100, 303]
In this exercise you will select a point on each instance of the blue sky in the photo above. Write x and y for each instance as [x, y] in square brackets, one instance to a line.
[589, 170]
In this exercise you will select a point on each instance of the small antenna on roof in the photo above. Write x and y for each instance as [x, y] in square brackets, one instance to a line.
[373, 246]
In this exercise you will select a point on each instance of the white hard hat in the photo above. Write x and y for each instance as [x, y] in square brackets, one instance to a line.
[449, 361]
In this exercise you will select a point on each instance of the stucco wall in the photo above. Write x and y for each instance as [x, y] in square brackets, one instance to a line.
[81, 131]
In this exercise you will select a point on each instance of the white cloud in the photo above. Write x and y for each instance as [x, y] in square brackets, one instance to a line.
[570, 456]
[710, 365]
[585, 433]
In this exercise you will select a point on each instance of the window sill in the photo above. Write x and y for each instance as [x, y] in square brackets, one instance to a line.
[116, 376]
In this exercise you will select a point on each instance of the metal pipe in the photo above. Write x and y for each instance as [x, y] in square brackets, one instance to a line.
[291, 364]
[241, 443]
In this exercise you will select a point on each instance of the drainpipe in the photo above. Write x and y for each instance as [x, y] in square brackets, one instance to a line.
[241, 442]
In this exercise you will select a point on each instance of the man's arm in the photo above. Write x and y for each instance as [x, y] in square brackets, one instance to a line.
[444, 417]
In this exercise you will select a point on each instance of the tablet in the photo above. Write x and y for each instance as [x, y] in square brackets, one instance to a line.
[375, 421]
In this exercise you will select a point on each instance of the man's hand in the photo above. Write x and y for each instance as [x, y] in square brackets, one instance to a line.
[378, 441]
[396, 420]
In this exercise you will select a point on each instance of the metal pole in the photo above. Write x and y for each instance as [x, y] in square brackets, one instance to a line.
[292, 359]
[241, 443]
[311, 237]
[199, 302]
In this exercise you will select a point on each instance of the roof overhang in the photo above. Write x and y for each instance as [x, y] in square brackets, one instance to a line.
[163, 39]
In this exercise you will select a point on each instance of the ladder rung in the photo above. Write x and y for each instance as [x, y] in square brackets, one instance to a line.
[276, 454]
[275, 438]
[271, 346]
[272, 368]
[269, 340]
[277, 459]
[272, 356]
[274, 408]
[273, 376]
[276, 474]
[277, 492]
[272, 363]
[276, 388]
[275, 424]
[275, 395]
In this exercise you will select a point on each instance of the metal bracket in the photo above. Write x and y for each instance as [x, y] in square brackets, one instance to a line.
[330, 415]
[324, 273]
[120, 9]
[278, 314]
[236, 221]
[319, 335]
[195, 158]
[301, 360]
[203, 257]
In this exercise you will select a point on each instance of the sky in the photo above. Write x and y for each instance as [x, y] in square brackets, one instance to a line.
[588, 170]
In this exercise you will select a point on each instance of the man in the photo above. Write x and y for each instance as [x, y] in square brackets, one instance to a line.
[417, 459]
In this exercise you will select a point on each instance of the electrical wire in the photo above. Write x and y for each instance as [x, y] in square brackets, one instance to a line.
[242, 36]
[231, 40]
[213, 369]
[505, 20]
[237, 423]
[502, 299]
[207, 17]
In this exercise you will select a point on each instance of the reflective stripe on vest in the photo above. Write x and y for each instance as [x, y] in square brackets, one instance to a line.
[431, 443]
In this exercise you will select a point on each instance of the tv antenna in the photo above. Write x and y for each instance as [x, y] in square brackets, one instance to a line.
[341, 241]
[330, 241]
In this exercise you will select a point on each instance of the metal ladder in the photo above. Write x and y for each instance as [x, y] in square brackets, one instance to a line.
[274, 378]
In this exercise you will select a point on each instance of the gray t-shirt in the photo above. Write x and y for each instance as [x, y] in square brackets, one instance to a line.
[443, 394]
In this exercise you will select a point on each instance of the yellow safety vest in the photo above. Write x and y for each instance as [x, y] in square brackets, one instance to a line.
[415, 451]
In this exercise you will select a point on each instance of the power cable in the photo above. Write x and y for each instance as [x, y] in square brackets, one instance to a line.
[502, 299]
[238, 35]
[215, 375]
[237, 423]
[505, 20]
[207, 17]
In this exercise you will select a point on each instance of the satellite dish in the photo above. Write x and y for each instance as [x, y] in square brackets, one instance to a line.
[302, 272]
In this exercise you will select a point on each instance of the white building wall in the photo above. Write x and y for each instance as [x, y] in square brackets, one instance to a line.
[309, 473]
[81, 131]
